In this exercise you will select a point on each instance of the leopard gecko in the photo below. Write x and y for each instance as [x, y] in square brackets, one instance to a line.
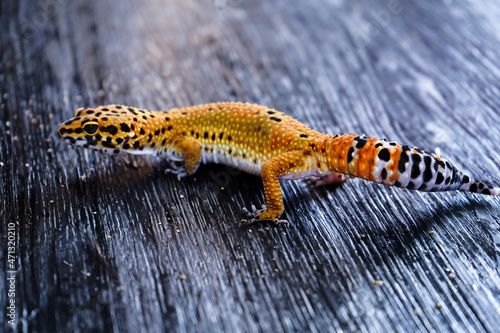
[261, 141]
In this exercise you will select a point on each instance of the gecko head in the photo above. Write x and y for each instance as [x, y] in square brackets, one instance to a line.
[111, 129]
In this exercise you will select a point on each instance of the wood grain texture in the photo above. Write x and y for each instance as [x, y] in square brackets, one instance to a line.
[113, 244]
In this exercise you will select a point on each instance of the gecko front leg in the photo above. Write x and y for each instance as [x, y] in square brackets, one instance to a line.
[185, 158]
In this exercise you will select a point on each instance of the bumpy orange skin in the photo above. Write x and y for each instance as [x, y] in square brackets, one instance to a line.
[261, 141]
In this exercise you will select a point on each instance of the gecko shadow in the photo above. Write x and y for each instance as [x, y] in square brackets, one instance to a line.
[397, 237]
[406, 228]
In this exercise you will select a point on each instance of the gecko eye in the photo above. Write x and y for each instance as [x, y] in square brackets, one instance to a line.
[91, 128]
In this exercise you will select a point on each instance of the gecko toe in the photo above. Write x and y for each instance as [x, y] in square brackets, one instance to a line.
[251, 216]
[281, 222]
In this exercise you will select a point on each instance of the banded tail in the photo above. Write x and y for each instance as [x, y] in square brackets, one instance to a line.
[388, 163]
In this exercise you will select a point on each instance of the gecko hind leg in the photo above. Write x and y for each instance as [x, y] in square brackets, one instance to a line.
[333, 178]
[279, 167]
[252, 216]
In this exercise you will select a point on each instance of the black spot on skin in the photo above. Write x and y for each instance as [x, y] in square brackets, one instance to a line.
[114, 111]
[107, 144]
[205, 135]
[255, 161]
[465, 180]
[473, 188]
[144, 117]
[153, 145]
[169, 128]
[119, 140]
[167, 118]
[349, 155]
[423, 187]
[142, 131]
[62, 131]
[229, 138]
[197, 135]
[318, 165]
[98, 114]
[124, 127]
[132, 111]
[384, 155]
[213, 137]
[163, 142]
[361, 143]
[69, 122]
[428, 169]
[439, 178]
[110, 129]
[136, 144]
[379, 144]
[275, 119]
[244, 156]
[271, 112]
[184, 113]
[92, 111]
[108, 139]
[230, 151]
[415, 169]
[132, 127]
[448, 165]
[447, 181]
[72, 141]
[486, 191]
[164, 129]
[393, 144]
[313, 146]
[403, 159]
[383, 174]
[220, 136]
[481, 186]
[304, 136]
[78, 131]
[150, 137]
[104, 118]
[192, 132]
[307, 153]
[152, 115]
[410, 186]
[157, 132]
[118, 107]
[397, 184]
[105, 109]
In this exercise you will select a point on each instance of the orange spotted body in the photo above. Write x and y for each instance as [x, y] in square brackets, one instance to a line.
[261, 141]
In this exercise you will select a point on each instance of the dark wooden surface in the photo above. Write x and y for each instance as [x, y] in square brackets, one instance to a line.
[113, 244]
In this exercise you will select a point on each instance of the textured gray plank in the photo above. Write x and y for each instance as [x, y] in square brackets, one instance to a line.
[113, 244]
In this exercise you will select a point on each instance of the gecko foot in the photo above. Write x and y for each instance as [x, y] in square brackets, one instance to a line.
[176, 168]
[253, 216]
[333, 178]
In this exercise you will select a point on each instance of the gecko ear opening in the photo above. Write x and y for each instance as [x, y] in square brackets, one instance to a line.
[91, 128]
